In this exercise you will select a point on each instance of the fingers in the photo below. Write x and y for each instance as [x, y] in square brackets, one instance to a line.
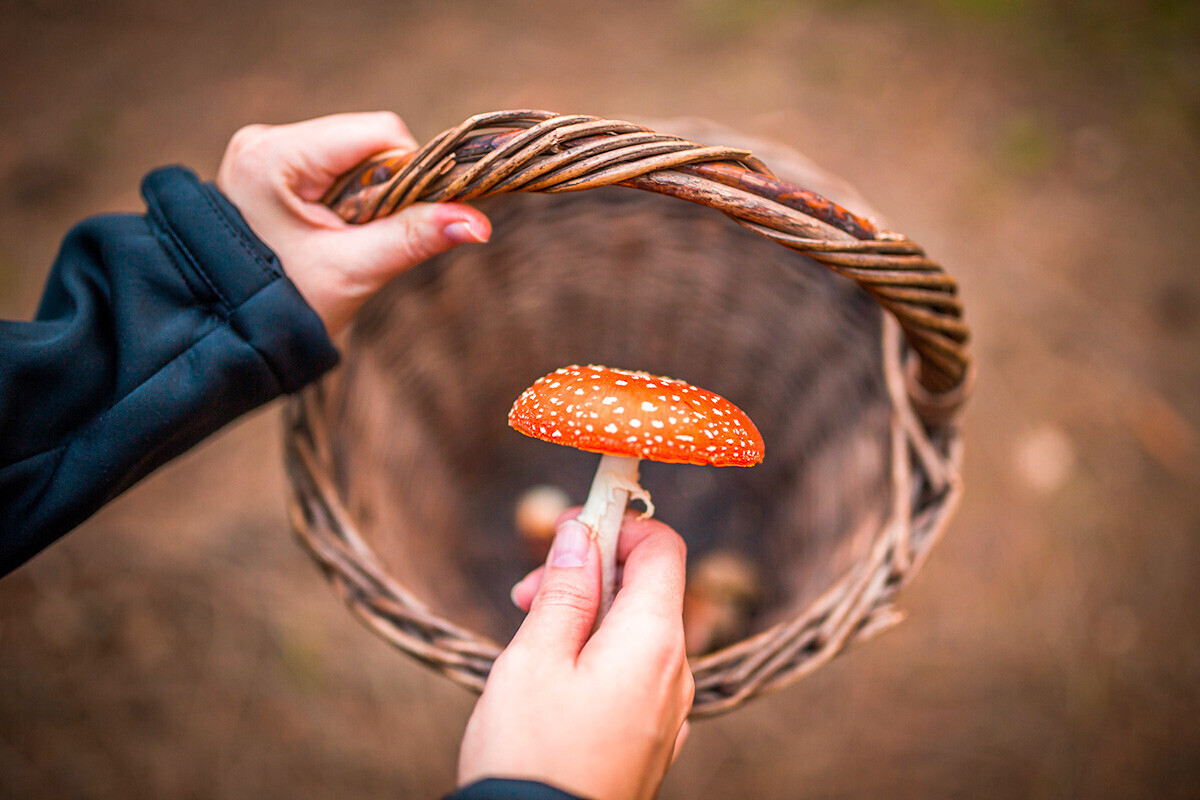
[565, 606]
[523, 593]
[370, 255]
[407, 238]
[275, 175]
[634, 529]
[650, 602]
[655, 566]
[315, 152]
[633, 532]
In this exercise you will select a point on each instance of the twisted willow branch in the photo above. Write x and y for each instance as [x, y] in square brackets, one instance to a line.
[539, 151]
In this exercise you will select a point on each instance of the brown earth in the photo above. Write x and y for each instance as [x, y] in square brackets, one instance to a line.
[180, 645]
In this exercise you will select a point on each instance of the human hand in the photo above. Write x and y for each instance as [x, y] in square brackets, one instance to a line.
[276, 175]
[603, 716]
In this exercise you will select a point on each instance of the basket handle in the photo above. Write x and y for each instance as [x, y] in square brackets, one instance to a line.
[540, 151]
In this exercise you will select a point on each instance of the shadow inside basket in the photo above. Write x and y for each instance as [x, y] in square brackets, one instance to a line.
[431, 473]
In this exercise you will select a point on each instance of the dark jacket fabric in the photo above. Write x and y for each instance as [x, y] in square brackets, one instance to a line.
[504, 789]
[153, 332]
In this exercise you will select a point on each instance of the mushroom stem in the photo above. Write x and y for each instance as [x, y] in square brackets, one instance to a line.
[616, 479]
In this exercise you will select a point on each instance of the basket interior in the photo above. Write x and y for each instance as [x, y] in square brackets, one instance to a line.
[430, 470]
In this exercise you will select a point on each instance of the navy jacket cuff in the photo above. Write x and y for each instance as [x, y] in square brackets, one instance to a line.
[256, 301]
[153, 332]
[510, 789]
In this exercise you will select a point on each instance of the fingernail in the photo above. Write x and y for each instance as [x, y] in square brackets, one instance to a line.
[572, 542]
[463, 232]
[512, 594]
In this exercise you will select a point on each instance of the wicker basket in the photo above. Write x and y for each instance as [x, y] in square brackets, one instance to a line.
[404, 472]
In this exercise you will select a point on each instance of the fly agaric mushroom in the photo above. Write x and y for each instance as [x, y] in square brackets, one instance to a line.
[627, 416]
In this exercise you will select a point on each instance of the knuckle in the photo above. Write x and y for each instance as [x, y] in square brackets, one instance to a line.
[688, 686]
[247, 138]
[678, 658]
[669, 653]
[394, 125]
[565, 595]
[250, 132]
[405, 253]
[390, 119]
[247, 152]
[416, 238]
[511, 660]
[668, 536]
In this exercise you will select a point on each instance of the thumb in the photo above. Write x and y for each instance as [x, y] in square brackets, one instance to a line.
[564, 609]
[370, 255]
[385, 247]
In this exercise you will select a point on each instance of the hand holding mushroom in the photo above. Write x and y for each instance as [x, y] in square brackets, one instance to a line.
[599, 715]
[627, 416]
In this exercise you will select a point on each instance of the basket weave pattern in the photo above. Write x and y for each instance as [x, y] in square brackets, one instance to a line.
[538, 151]
[534, 151]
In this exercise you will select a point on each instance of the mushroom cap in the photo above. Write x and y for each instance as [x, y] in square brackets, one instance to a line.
[622, 413]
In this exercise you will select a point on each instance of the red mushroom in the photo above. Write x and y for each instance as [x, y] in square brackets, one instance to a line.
[627, 416]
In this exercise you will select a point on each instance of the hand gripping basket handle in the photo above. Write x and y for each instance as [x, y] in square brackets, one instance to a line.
[540, 151]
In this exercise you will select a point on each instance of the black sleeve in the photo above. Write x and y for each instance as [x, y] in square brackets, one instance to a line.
[509, 789]
[153, 332]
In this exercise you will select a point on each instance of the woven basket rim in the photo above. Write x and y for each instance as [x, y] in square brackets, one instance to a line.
[541, 151]
[925, 391]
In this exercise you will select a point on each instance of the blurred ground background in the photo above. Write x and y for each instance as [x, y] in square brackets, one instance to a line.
[180, 645]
